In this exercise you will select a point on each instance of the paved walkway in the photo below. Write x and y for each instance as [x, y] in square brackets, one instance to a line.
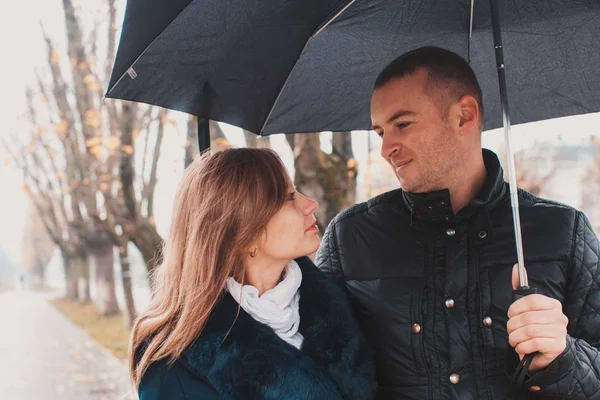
[43, 355]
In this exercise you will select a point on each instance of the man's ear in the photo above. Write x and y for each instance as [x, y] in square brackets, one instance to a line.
[468, 114]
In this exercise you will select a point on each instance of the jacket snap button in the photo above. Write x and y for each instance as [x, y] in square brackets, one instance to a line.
[535, 388]
[454, 379]
[446, 218]
[416, 328]
[449, 303]
[487, 321]
[482, 235]
[450, 232]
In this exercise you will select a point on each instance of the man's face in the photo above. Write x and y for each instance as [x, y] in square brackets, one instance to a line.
[418, 141]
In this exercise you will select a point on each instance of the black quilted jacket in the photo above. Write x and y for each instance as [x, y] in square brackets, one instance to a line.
[431, 290]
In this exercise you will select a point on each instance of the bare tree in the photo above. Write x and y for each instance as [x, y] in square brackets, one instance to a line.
[256, 141]
[191, 144]
[535, 167]
[36, 247]
[328, 178]
[218, 140]
[48, 195]
[79, 163]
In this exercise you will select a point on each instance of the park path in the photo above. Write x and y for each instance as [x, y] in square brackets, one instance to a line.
[43, 355]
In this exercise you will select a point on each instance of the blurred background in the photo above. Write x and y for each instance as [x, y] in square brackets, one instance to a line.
[87, 186]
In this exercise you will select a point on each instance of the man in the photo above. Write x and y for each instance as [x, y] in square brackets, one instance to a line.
[429, 267]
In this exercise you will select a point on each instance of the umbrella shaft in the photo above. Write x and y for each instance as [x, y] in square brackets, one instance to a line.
[203, 134]
[469, 46]
[512, 176]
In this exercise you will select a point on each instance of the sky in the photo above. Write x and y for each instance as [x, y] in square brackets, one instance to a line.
[24, 51]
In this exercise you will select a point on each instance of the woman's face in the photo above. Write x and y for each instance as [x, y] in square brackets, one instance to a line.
[292, 232]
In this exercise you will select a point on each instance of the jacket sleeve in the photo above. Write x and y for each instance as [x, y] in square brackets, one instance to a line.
[166, 382]
[328, 256]
[575, 374]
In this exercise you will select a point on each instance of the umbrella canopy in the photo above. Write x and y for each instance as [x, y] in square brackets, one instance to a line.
[309, 65]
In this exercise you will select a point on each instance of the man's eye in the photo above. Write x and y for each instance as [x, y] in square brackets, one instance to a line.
[402, 125]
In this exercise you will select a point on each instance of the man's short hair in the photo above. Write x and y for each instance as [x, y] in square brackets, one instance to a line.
[450, 76]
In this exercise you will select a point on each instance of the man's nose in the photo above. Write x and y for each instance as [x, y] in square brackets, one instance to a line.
[389, 147]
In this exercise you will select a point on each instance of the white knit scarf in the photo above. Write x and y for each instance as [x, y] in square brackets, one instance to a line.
[278, 307]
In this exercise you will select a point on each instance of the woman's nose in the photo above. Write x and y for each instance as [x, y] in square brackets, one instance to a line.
[310, 206]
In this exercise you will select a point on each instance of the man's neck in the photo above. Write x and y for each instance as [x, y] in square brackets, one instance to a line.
[469, 184]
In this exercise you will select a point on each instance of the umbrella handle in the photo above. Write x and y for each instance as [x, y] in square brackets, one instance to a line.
[523, 291]
[520, 373]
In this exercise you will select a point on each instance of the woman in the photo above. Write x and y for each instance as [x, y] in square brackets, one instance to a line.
[239, 312]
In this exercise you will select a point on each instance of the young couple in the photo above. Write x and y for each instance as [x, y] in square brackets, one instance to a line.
[411, 297]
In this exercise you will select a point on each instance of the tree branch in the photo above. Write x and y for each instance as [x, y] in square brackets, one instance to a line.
[112, 39]
[151, 186]
[126, 167]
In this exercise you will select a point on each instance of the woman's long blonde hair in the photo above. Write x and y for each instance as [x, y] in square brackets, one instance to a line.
[222, 206]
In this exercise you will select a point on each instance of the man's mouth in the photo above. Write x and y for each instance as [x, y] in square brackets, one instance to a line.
[401, 164]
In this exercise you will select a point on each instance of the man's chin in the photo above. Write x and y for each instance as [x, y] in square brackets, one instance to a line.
[405, 184]
[411, 187]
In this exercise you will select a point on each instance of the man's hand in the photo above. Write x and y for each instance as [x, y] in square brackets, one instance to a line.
[536, 324]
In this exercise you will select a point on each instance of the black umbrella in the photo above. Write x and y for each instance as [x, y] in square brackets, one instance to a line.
[308, 65]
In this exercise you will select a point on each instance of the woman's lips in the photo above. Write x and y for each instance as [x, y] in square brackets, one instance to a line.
[313, 227]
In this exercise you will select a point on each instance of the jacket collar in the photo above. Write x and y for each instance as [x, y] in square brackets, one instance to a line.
[242, 358]
[436, 207]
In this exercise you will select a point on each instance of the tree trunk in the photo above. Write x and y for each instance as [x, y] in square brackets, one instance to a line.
[149, 243]
[309, 171]
[255, 141]
[130, 313]
[330, 179]
[89, 115]
[191, 145]
[71, 279]
[39, 272]
[106, 297]
[342, 145]
[81, 265]
[218, 140]
[126, 164]
[291, 139]
[150, 186]
[143, 233]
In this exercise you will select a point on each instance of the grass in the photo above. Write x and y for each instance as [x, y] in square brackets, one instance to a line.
[109, 331]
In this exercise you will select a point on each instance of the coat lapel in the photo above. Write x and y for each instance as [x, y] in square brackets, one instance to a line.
[243, 358]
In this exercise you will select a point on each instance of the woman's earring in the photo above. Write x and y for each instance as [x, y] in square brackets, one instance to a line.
[253, 253]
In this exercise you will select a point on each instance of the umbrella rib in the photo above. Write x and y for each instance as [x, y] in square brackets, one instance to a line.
[331, 20]
[470, 32]
[142, 53]
[294, 67]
